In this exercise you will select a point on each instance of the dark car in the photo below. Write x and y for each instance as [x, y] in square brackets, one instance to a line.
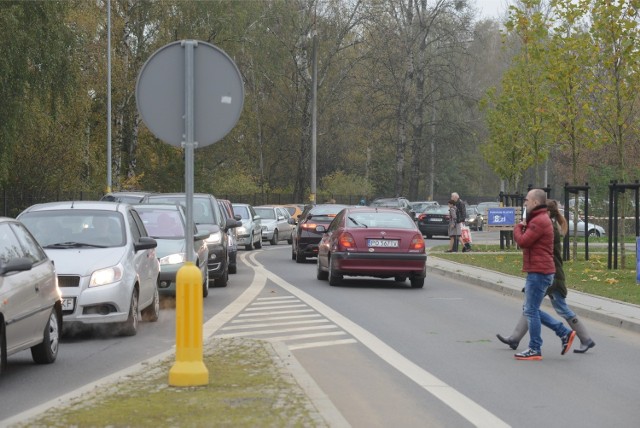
[474, 220]
[401, 203]
[369, 241]
[207, 216]
[434, 221]
[306, 238]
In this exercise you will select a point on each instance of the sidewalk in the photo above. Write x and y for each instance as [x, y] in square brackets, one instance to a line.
[613, 312]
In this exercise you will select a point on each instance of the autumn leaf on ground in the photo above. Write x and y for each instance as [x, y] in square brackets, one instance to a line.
[611, 281]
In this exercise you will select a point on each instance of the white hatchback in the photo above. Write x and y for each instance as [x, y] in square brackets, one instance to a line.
[105, 260]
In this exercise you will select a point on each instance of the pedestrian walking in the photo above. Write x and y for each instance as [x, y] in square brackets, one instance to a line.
[454, 228]
[461, 217]
[535, 236]
[557, 292]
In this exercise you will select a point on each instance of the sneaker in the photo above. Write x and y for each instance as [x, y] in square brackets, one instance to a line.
[529, 354]
[508, 341]
[567, 340]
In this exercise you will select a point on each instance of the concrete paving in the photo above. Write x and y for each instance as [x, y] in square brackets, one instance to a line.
[608, 311]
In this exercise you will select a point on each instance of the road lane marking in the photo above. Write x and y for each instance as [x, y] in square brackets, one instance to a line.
[464, 406]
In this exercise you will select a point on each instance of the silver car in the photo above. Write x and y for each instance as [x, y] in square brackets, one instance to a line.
[30, 306]
[167, 224]
[250, 233]
[275, 224]
[105, 260]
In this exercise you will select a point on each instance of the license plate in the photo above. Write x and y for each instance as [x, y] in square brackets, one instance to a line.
[68, 304]
[437, 219]
[390, 243]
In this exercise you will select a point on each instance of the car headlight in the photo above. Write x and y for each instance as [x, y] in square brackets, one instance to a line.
[214, 238]
[241, 230]
[106, 276]
[173, 259]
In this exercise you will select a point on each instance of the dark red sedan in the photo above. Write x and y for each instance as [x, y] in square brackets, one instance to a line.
[377, 242]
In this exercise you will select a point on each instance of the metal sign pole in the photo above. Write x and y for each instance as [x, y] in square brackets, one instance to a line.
[189, 144]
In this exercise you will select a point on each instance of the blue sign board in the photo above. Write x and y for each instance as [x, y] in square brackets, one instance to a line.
[501, 216]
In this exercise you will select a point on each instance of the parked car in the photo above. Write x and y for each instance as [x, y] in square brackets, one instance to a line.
[365, 241]
[474, 219]
[482, 207]
[167, 225]
[30, 300]
[208, 217]
[105, 261]
[305, 236]
[420, 206]
[294, 209]
[126, 197]
[401, 203]
[275, 224]
[594, 230]
[232, 236]
[434, 221]
[250, 233]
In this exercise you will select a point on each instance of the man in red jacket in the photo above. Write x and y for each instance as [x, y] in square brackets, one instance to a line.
[535, 236]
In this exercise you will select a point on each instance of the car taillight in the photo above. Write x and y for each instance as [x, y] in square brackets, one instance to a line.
[310, 226]
[422, 216]
[417, 243]
[346, 241]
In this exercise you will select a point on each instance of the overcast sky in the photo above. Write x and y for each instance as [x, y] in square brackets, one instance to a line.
[492, 8]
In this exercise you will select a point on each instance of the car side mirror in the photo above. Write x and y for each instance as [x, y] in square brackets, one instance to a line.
[145, 243]
[231, 223]
[292, 221]
[237, 217]
[201, 235]
[257, 217]
[16, 265]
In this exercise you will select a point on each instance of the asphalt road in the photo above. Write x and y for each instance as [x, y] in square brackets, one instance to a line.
[385, 354]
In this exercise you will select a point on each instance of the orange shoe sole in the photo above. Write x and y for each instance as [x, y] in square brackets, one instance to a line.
[572, 336]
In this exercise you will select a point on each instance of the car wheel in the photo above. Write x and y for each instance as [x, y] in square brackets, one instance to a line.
[131, 324]
[321, 275]
[205, 285]
[152, 312]
[334, 278]
[480, 225]
[233, 268]
[300, 258]
[47, 351]
[274, 239]
[293, 253]
[290, 240]
[417, 282]
[249, 246]
[223, 280]
[258, 244]
[594, 233]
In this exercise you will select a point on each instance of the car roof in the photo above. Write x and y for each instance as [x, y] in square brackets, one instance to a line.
[79, 205]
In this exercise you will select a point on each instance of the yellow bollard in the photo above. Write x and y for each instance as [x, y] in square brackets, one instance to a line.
[189, 369]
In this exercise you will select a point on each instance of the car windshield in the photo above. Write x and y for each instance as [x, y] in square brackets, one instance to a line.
[161, 223]
[266, 213]
[76, 228]
[437, 210]
[242, 211]
[380, 220]
[202, 213]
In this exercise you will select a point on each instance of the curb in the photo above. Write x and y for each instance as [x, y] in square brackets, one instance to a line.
[612, 312]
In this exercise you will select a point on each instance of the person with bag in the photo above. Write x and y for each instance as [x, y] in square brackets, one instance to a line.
[461, 217]
[557, 292]
[454, 228]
